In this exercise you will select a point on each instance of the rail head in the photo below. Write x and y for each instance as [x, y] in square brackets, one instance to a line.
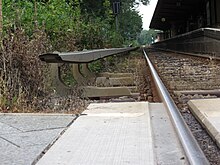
[191, 148]
[82, 56]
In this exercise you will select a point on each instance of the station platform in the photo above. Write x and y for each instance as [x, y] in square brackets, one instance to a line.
[136, 133]
[207, 111]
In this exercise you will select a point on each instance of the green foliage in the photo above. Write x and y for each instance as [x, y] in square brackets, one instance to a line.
[86, 23]
[130, 22]
[33, 27]
[147, 37]
[96, 66]
[67, 75]
[55, 15]
[131, 26]
[133, 3]
[116, 39]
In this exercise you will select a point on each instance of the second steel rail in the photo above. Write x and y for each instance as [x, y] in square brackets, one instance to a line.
[191, 148]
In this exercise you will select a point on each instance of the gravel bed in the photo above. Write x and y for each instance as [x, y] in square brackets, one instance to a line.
[181, 72]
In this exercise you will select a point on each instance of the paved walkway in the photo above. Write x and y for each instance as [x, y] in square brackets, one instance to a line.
[118, 133]
[24, 136]
[107, 134]
[136, 133]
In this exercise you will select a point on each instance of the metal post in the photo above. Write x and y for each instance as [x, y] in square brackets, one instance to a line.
[116, 10]
[116, 22]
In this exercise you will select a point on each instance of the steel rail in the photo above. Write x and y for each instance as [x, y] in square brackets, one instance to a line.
[191, 148]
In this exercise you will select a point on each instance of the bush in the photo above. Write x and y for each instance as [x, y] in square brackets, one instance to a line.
[22, 73]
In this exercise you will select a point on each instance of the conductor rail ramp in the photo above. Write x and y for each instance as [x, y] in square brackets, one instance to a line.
[84, 77]
[86, 56]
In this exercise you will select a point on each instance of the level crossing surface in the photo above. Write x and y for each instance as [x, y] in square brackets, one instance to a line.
[117, 133]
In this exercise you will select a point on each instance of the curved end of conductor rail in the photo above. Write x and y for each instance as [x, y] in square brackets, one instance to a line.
[83, 56]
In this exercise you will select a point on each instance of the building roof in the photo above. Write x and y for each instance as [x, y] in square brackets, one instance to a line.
[168, 11]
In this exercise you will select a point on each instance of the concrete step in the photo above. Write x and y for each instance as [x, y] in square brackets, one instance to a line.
[92, 91]
[118, 81]
[114, 75]
[133, 89]
[118, 133]
[208, 114]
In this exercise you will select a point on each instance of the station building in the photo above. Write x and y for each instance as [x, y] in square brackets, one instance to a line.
[188, 25]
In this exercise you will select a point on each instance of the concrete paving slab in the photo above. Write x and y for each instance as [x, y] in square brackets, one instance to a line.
[207, 111]
[23, 137]
[6, 129]
[167, 148]
[30, 122]
[6, 154]
[106, 133]
[16, 156]
[25, 154]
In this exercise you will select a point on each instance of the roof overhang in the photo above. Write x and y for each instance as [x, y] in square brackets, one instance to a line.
[169, 11]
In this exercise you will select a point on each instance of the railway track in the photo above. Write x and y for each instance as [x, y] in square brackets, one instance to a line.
[182, 73]
[191, 147]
